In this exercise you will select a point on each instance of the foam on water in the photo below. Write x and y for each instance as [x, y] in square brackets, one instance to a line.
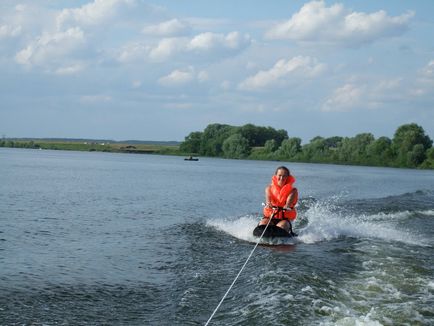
[239, 227]
[325, 222]
[374, 282]
[381, 288]
[358, 321]
[428, 212]
[242, 228]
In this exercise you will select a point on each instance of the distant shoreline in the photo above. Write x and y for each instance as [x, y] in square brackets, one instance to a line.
[129, 147]
[92, 145]
[91, 140]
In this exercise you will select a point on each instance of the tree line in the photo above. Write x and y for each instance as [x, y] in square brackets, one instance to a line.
[410, 147]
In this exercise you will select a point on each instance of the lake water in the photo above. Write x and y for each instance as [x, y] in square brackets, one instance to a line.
[118, 239]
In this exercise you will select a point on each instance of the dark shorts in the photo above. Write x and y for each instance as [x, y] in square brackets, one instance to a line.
[275, 221]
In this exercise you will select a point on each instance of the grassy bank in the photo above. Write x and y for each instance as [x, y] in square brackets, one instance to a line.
[94, 146]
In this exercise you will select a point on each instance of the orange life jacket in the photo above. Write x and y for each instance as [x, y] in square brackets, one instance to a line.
[278, 196]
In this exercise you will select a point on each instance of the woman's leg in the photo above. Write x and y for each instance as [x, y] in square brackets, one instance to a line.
[284, 224]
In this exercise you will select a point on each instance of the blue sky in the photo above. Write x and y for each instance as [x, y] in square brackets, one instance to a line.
[158, 70]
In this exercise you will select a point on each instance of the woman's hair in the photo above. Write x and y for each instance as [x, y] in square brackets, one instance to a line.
[283, 168]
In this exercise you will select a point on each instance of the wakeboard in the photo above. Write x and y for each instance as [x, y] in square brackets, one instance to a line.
[272, 231]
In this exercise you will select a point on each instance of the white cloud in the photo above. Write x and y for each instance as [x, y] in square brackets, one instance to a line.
[428, 70]
[317, 23]
[23, 57]
[202, 76]
[98, 98]
[204, 43]
[70, 70]
[51, 47]
[94, 13]
[7, 31]
[166, 48]
[424, 84]
[173, 27]
[388, 85]
[132, 52]
[20, 7]
[178, 77]
[208, 41]
[136, 83]
[129, 48]
[344, 98]
[226, 85]
[178, 105]
[283, 71]
[102, 31]
[372, 94]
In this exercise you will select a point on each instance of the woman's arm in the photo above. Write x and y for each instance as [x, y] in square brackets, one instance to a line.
[267, 197]
[292, 198]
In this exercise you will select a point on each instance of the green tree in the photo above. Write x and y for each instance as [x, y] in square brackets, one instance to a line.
[361, 143]
[354, 150]
[236, 146]
[416, 156]
[380, 152]
[191, 143]
[315, 151]
[213, 137]
[258, 136]
[410, 147]
[429, 161]
[404, 141]
[289, 149]
[333, 142]
[270, 146]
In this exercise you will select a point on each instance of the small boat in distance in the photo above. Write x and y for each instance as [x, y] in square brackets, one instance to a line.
[191, 158]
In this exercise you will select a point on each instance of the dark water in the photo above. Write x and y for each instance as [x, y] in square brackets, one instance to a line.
[108, 239]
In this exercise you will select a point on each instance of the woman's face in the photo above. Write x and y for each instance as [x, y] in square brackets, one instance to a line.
[281, 175]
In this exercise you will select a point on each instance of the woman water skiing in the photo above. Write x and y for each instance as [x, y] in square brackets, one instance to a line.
[280, 198]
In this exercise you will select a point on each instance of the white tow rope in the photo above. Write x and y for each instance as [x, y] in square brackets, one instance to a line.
[239, 273]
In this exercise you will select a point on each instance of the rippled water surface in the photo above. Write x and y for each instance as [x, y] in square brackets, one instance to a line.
[101, 238]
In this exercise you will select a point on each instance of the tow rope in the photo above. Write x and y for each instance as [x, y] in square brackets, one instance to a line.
[239, 273]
